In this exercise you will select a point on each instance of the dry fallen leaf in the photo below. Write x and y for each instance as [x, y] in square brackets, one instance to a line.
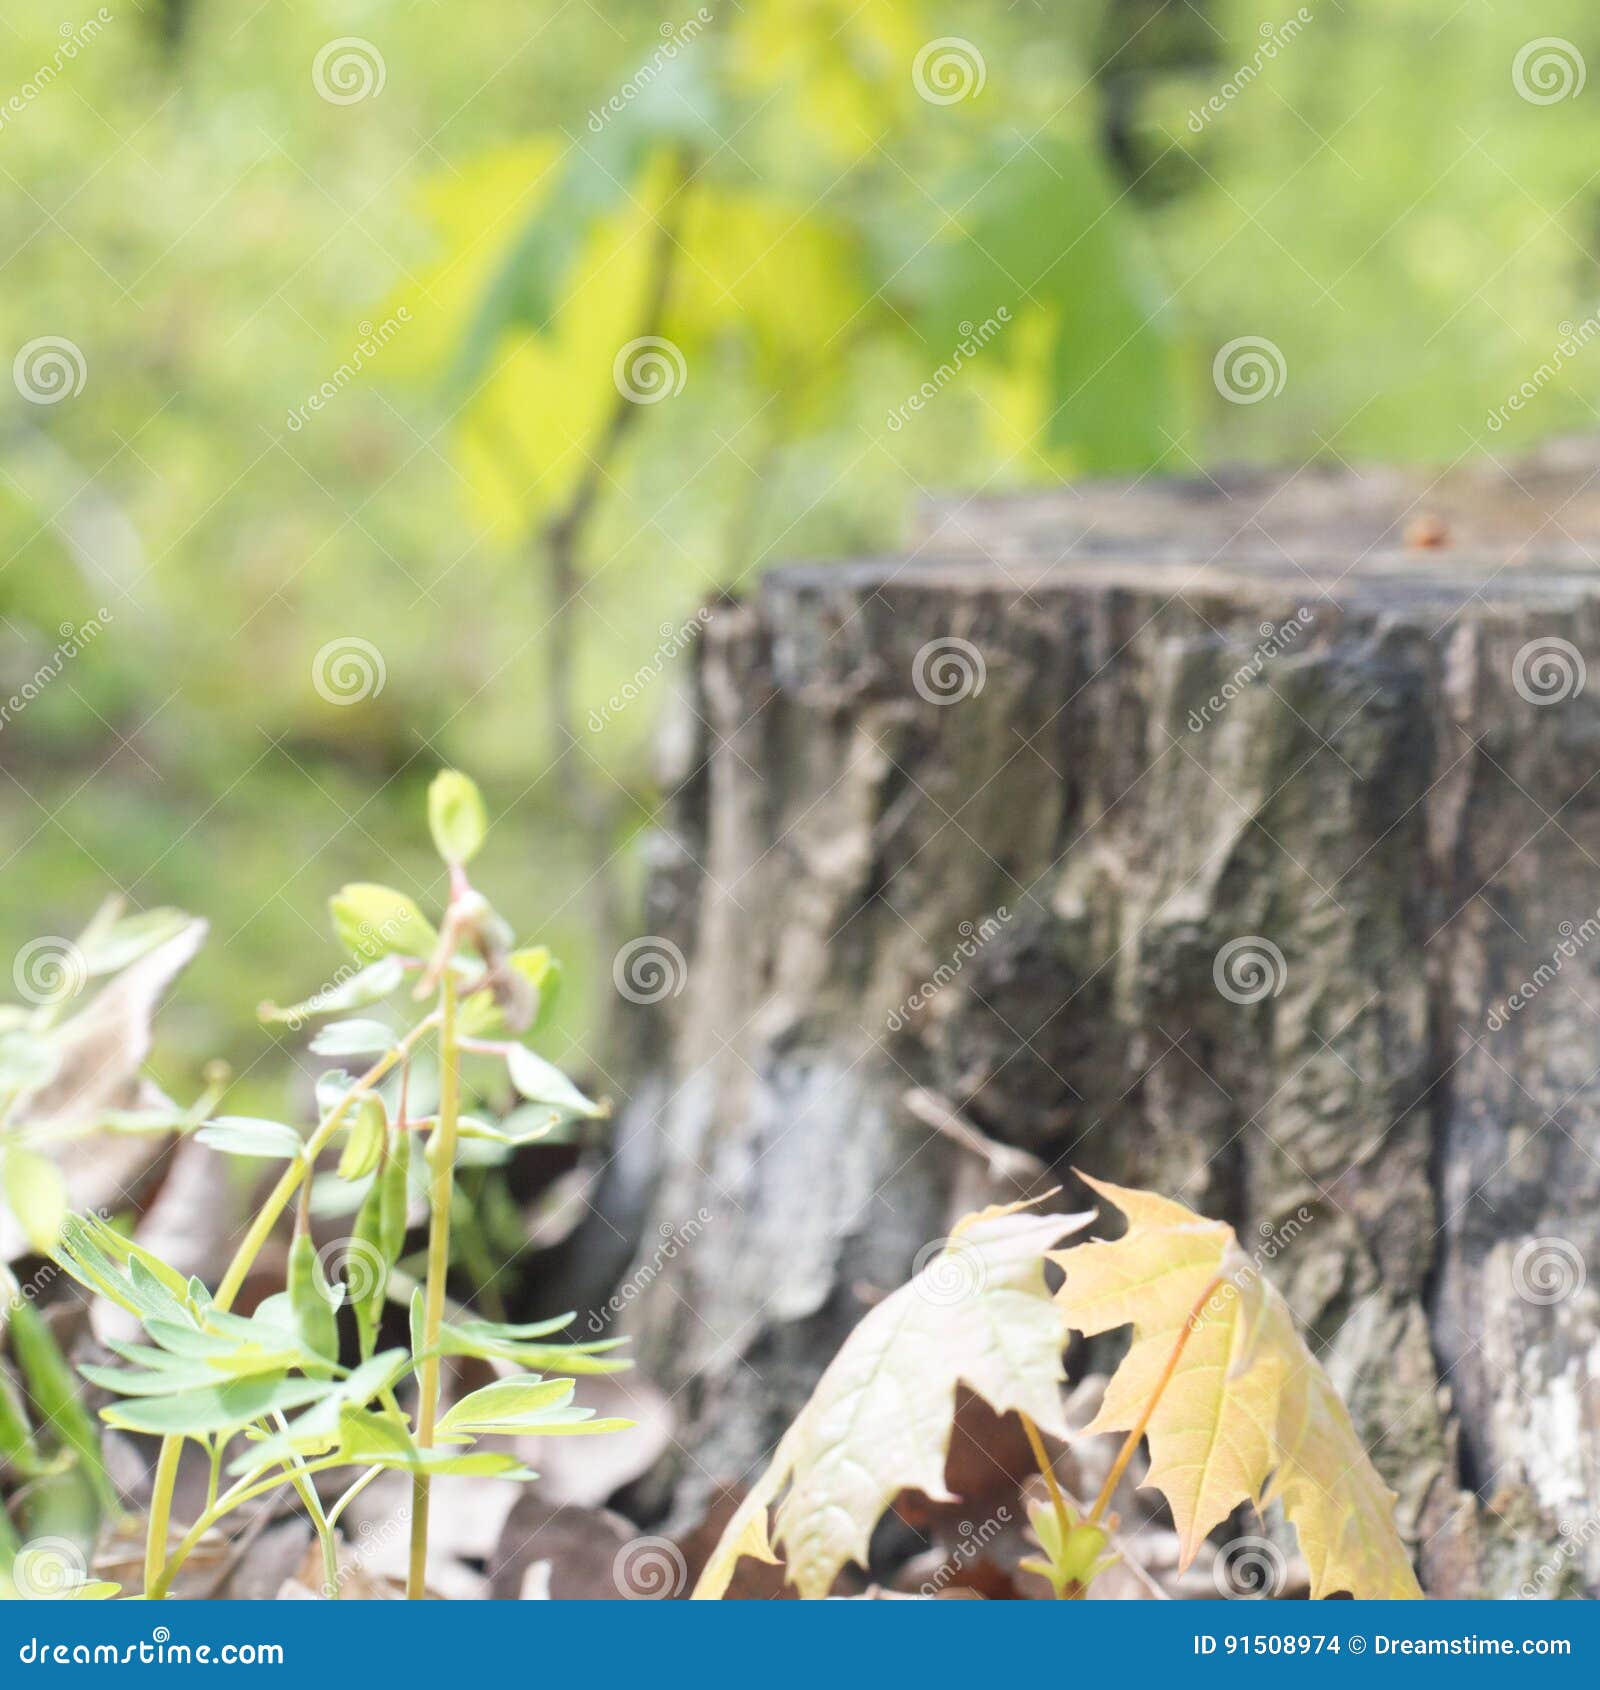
[979, 1313]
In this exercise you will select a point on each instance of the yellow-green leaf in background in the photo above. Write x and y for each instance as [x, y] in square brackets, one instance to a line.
[374, 921]
[36, 1192]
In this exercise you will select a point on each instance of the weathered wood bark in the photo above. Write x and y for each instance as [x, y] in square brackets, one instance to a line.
[1045, 877]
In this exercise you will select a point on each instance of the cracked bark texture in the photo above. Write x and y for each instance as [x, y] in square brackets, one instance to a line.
[1017, 900]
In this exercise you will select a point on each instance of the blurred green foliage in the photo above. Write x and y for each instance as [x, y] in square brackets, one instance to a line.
[223, 244]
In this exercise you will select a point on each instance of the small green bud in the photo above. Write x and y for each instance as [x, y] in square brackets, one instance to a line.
[456, 816]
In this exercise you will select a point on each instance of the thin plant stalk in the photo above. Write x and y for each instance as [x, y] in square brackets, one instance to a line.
[278, 1199]
[1047, 1472]
[442, 1160]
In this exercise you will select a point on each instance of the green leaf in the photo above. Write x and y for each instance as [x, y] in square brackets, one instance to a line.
[377, 1440]
[120, 1246]
[394, 1198]
[526, 1125]
[314, 1301]
[376, 921]
[245, 1135]
[365, 986]
[27, 1061]
[221, 1408]
[37, 1194]
[1033, 228]
[456, 816]
[491, 1342]
[171, 1378]
[505, 1399]
[542, 1082]
[353, 1038]
[368, 1130]
[484, 1012]
[521, 1407]
[318, 1430]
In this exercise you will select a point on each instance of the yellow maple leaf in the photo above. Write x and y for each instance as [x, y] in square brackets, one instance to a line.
[1228, 1395]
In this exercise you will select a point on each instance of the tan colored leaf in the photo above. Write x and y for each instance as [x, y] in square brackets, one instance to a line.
[979, 1313]
[1246, 1400]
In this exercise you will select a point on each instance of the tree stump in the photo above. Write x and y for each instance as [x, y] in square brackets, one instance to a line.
[1237, 838]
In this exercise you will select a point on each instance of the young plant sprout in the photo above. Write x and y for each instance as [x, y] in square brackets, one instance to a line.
[278, 1398]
